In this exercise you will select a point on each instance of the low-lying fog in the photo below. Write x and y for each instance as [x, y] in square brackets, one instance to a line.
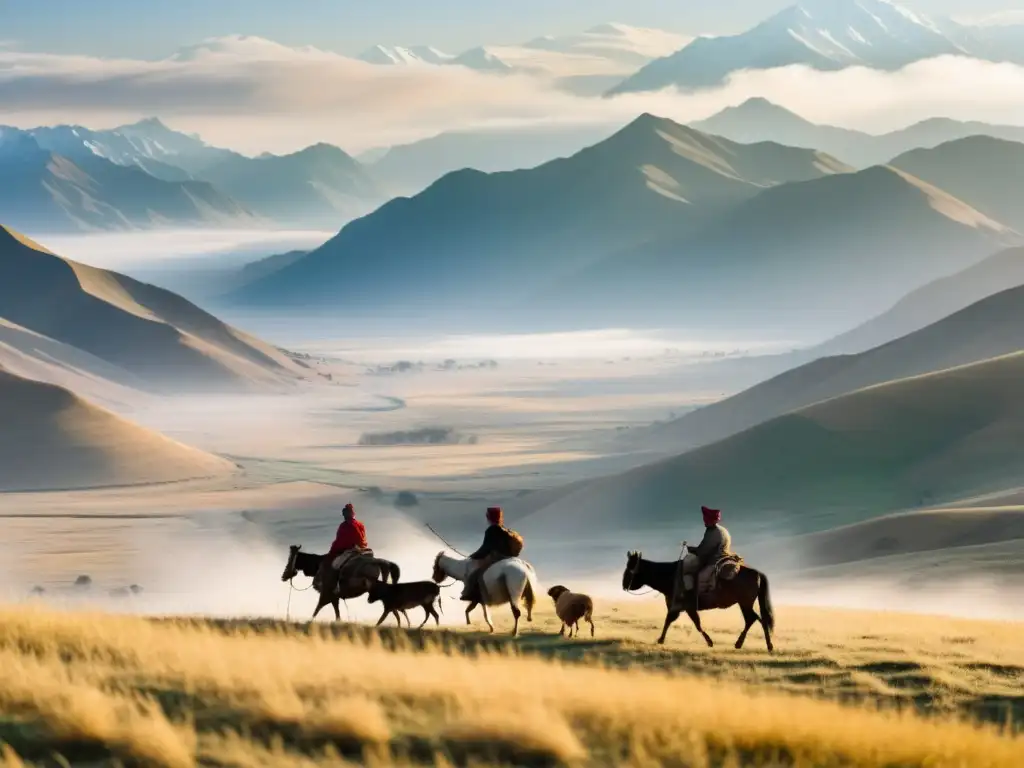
[416, 426]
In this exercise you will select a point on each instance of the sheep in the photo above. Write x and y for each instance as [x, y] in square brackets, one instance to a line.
[572, 607]
[398, 598]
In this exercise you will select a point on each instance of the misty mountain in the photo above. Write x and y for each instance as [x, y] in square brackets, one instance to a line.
[988, 173]
[821, 34]
[917, 441]
[828, 253]
[410, 168]
[470, 233]
[317, 185]
[398, 56]
[148, 144]
[152, 334]
[47, 192]
[932, 302]
[758, 119]
[988, 328]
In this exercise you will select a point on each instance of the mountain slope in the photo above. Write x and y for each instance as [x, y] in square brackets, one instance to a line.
[932, 302]
[52, 439]
[317, 184]
[43, 191]
[471, 231]
[821, 34]
[151, 333]
[910, 442]
[989, 328]
[811, 252]
[410, 168]
[985, 172]
[758, 119]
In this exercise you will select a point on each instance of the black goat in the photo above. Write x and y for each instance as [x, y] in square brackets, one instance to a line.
[398, 598]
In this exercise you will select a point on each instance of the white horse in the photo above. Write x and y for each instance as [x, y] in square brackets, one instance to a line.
[507, 581]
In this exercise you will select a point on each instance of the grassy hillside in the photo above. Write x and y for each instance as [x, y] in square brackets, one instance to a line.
[177, 693]
[986, 173]
[151, 333]
[986, 329]
[52, 439]
[827, 251]
[917, 441]
[471, 231]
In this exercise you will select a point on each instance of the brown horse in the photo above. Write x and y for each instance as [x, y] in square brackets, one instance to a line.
[376, 569]
[747, 586]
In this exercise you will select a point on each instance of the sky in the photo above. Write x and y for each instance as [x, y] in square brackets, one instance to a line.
[265, 75]
[155, 28]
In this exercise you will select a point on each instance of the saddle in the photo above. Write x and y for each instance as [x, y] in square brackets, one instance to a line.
[725, 568]
[348, 562]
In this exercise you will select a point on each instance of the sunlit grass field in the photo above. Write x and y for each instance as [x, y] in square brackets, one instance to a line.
[843, 689]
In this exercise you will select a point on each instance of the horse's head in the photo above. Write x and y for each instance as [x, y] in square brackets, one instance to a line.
[439, 574]
[629, 575]
[291, 569]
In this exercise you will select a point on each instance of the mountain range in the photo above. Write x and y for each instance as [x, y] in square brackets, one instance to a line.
[147, 175]
[524, 230]
[758, 119]
[825, 35]
[698, 226]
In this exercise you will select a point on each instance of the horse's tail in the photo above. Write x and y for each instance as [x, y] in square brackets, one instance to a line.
[764, 602]
[394, 570]
[529, 595]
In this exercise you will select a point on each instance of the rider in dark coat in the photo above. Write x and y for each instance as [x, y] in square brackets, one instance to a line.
[496, 546]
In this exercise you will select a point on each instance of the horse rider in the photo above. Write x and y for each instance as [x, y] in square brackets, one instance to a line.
[498, 544]
[716, 544]
[351, 536]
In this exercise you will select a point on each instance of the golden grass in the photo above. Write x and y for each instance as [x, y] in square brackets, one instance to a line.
[176, 693]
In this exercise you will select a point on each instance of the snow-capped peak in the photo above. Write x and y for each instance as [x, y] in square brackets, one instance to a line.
[398, 55]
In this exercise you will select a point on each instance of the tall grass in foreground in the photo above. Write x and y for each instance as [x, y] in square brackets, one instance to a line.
[183, 693]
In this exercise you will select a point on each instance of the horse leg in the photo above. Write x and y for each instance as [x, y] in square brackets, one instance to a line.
[670, 617]
[516, 613]
[487, 618]
[695, 618]
[470, 608]
[382, 617]
[319, 605]
[749, 617]
[337, 609]
[427, 610]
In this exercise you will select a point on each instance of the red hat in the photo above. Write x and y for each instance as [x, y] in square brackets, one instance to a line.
[711, 516]
[495, 515]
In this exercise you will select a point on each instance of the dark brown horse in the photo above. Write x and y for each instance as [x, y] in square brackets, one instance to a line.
[747, 586]
[374, 569]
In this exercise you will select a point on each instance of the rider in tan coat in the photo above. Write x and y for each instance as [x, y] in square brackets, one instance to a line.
[716, 544]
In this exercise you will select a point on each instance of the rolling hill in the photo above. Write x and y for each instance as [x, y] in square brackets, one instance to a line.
[985, 172]
[917, 441]
[317, 185]
[152, 334]
[471, 231]
[801, 253]
[48, 192]
[989, 328]
[758, 119]
[52, 439]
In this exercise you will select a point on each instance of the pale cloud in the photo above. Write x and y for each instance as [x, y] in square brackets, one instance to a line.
[255, 95]
[1000, 19]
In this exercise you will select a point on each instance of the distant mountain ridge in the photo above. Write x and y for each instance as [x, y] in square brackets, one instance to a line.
[825, 35]
[470, 229]
[758, 119]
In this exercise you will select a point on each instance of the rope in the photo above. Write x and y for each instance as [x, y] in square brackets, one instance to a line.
[444, 540]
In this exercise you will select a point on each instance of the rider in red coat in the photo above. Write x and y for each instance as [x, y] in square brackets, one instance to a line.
[351, 534]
